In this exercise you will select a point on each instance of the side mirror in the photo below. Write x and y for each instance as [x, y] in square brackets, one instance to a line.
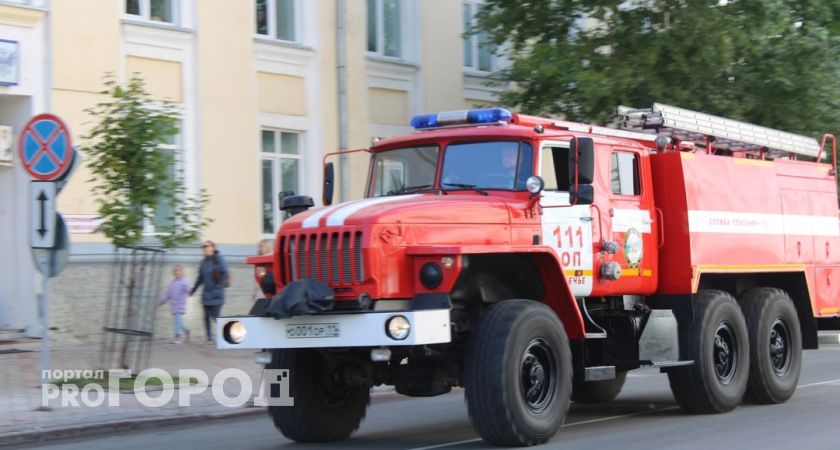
[583, 194]
[582, 160]
[329, 178]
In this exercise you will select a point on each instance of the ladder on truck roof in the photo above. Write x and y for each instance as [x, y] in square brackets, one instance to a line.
[726, 134]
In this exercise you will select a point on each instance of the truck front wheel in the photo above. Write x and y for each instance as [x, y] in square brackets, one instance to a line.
[775, 344]
[518, 375]
[325, 408]
[717, 342]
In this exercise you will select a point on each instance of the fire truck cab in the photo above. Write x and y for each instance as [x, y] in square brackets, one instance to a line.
[535, 262]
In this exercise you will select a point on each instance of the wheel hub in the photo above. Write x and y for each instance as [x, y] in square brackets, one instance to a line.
[537, 374]
[779, 347]
[725, 353]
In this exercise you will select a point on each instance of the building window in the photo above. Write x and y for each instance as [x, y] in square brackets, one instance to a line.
[154, 10]
[384, 27]
[277, 19]
[164, 217]
[280, 165]
[478, 50]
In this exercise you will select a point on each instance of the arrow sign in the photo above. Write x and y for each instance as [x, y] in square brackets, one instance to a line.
[41, 201]
[42, 214]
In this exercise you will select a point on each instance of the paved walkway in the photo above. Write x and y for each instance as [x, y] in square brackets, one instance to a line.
[20, 384]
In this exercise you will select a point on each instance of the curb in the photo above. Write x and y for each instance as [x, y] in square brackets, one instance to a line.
[72, 431]
[89, 429]
[829, 338]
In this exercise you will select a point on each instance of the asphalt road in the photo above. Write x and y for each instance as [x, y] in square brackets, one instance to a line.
[643, 416]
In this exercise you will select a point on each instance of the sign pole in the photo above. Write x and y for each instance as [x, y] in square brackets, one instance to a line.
[46, 152]
[45, 350]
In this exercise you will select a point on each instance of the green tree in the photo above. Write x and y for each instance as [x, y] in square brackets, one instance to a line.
[132, 176]
[770, 62]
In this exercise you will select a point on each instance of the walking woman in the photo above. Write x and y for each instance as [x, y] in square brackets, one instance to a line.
[213, 274]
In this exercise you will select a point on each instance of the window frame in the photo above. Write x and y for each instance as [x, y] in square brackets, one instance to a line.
[636, 172]
[379, 52]
[177, 150]
[145, 12]
[556, 165]
[472, 41]
[271, 22]
[276, 157]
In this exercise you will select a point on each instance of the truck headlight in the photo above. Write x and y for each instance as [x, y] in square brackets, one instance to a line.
[397, 328]
[234, 332]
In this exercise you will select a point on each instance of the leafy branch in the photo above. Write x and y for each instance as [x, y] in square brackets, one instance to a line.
[131, 171]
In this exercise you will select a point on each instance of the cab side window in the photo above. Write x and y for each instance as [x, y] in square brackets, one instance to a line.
[624, 174]
[554, 168]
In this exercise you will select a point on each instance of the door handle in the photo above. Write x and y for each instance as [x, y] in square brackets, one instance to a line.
[661, 216]
[586, 219]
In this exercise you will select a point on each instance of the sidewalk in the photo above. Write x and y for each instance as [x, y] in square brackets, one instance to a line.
[20, 388]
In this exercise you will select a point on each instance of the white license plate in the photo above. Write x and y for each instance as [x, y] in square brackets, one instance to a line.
[312, 330]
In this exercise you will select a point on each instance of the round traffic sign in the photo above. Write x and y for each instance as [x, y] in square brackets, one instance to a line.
[45, 147]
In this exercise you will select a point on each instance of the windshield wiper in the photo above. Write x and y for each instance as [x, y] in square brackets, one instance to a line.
[408, 189]
[467, 186]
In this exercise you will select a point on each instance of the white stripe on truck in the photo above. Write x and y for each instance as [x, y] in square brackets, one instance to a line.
[337, 214]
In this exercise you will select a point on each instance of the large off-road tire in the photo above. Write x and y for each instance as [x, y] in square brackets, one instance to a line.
[518, 376]
[325, 408]
[717, 341]
[597, 391]
[775, 344]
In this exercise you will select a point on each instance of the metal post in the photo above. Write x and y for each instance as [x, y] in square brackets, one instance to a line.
[341, 50]
[45, 342]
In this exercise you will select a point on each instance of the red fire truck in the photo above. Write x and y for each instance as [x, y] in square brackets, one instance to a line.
[533, 261]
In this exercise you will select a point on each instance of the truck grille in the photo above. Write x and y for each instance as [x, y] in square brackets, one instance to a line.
[331, 258]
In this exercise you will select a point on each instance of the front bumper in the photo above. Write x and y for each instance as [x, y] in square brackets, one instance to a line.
[354, 330]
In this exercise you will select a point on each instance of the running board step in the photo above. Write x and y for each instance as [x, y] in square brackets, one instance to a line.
[599, 373]
[667, 364]
[595, 335]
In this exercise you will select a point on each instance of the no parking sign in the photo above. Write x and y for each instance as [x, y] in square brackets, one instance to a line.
[45, 147]
[45, 150]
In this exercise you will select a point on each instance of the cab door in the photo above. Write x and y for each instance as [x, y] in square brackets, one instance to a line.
[566, 229]
[631, 222]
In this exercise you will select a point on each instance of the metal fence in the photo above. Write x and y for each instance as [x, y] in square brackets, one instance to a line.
[130, 310]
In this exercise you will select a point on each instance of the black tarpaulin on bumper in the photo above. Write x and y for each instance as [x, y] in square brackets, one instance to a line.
[298, 298]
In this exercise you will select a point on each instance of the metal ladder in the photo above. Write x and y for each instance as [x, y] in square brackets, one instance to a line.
[727, 134]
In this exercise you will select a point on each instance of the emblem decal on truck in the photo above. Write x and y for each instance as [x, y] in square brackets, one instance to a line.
[633, 248]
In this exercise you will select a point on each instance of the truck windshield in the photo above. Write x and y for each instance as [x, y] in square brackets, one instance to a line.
[502, 165]
[487, 165]
[404, 170]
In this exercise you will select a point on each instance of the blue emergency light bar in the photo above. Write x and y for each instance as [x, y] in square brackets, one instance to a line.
[464, 117]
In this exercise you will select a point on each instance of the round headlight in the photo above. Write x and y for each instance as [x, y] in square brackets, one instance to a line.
[234, 332]
[534, 184]
[397, 328]
[431, 275]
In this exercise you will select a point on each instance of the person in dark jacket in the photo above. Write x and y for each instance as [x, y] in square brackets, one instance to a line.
[213, 274]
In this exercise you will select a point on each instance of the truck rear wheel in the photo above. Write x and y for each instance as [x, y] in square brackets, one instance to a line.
[325, 409]
[518, 375]
[775, 344]
[717, 341]
[598, 391]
